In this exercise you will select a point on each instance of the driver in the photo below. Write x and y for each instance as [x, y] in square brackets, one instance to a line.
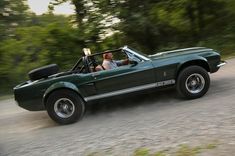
[109, 63]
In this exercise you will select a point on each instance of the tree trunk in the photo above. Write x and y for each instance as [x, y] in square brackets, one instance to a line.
[80, 10]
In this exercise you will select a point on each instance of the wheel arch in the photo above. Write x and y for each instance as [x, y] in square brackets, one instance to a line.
[60, 86]
[202, 62]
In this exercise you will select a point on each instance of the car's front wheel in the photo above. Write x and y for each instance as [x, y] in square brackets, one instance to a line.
[193, 82]
[65, 106]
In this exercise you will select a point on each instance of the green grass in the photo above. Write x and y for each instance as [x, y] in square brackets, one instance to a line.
[141, 152]
[182, 150]
[186, 150]
[159, 154]
[211, 146]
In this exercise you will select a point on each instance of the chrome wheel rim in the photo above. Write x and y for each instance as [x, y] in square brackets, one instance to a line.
[64, 108]
[195, 83]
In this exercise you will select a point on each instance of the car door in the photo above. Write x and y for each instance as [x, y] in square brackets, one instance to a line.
[124, 79]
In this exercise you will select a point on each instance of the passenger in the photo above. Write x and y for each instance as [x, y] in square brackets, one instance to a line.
[109, 63]
[99, 68]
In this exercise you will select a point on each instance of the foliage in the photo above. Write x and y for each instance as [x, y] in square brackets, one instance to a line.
[182, 150]
[12, 14]
[168, 23]
[34, 46]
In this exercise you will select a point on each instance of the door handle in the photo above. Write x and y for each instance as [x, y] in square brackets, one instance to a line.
[95, 74]
[90, 84]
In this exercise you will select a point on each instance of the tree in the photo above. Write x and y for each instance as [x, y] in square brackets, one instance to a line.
[50, 39]
[155, 24]
[79, 5]
[12, 14]
[91, 24]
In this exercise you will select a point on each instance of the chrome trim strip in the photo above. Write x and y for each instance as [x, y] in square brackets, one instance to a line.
[135, 53]
[221, 64]
[185, 51]
[129, 90]
[119, 92]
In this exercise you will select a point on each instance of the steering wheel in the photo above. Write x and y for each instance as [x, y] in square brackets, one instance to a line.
[93, 62]
[85, 64]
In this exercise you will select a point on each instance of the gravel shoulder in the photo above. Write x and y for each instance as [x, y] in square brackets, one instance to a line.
[157, 121]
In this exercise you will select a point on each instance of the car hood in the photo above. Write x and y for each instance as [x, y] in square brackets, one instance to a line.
[178, 52]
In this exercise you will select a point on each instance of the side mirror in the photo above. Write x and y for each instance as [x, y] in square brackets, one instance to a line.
[133, 63]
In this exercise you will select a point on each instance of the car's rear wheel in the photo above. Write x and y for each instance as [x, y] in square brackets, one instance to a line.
[193, 82]
[65, 106]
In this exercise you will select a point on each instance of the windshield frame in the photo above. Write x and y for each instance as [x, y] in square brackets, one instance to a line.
[137, 53]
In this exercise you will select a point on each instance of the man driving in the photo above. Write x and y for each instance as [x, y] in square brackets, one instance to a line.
[109, 63]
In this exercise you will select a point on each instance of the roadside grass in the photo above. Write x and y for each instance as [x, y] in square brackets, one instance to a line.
[228, 56]
[146, 152]
[5, 97]
[182, 150]
[186, 150]
[6, 93]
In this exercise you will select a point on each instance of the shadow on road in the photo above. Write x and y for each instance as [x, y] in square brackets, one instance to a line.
[22, 120]
[157, 97]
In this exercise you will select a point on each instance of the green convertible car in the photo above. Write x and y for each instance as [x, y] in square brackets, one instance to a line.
[65, 95]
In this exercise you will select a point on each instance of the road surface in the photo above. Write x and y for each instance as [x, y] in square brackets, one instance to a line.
[157, 121]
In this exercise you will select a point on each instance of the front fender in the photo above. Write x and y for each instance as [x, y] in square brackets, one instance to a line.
[60, 85]
[195, 59]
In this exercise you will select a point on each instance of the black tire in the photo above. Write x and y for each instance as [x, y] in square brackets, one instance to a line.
[190, 82]
[43, 72]
[57, 99]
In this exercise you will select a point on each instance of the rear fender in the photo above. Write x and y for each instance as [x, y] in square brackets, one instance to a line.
[60, 85]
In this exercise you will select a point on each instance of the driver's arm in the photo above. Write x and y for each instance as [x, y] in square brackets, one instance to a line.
[125, 62]
[122, 62]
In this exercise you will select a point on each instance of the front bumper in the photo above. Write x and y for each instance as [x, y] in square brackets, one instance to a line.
[222, 63]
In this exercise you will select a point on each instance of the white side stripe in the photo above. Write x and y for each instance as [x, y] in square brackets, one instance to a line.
[129, 90]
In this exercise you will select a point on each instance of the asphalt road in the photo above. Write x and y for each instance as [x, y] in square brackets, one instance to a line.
[157, 121]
